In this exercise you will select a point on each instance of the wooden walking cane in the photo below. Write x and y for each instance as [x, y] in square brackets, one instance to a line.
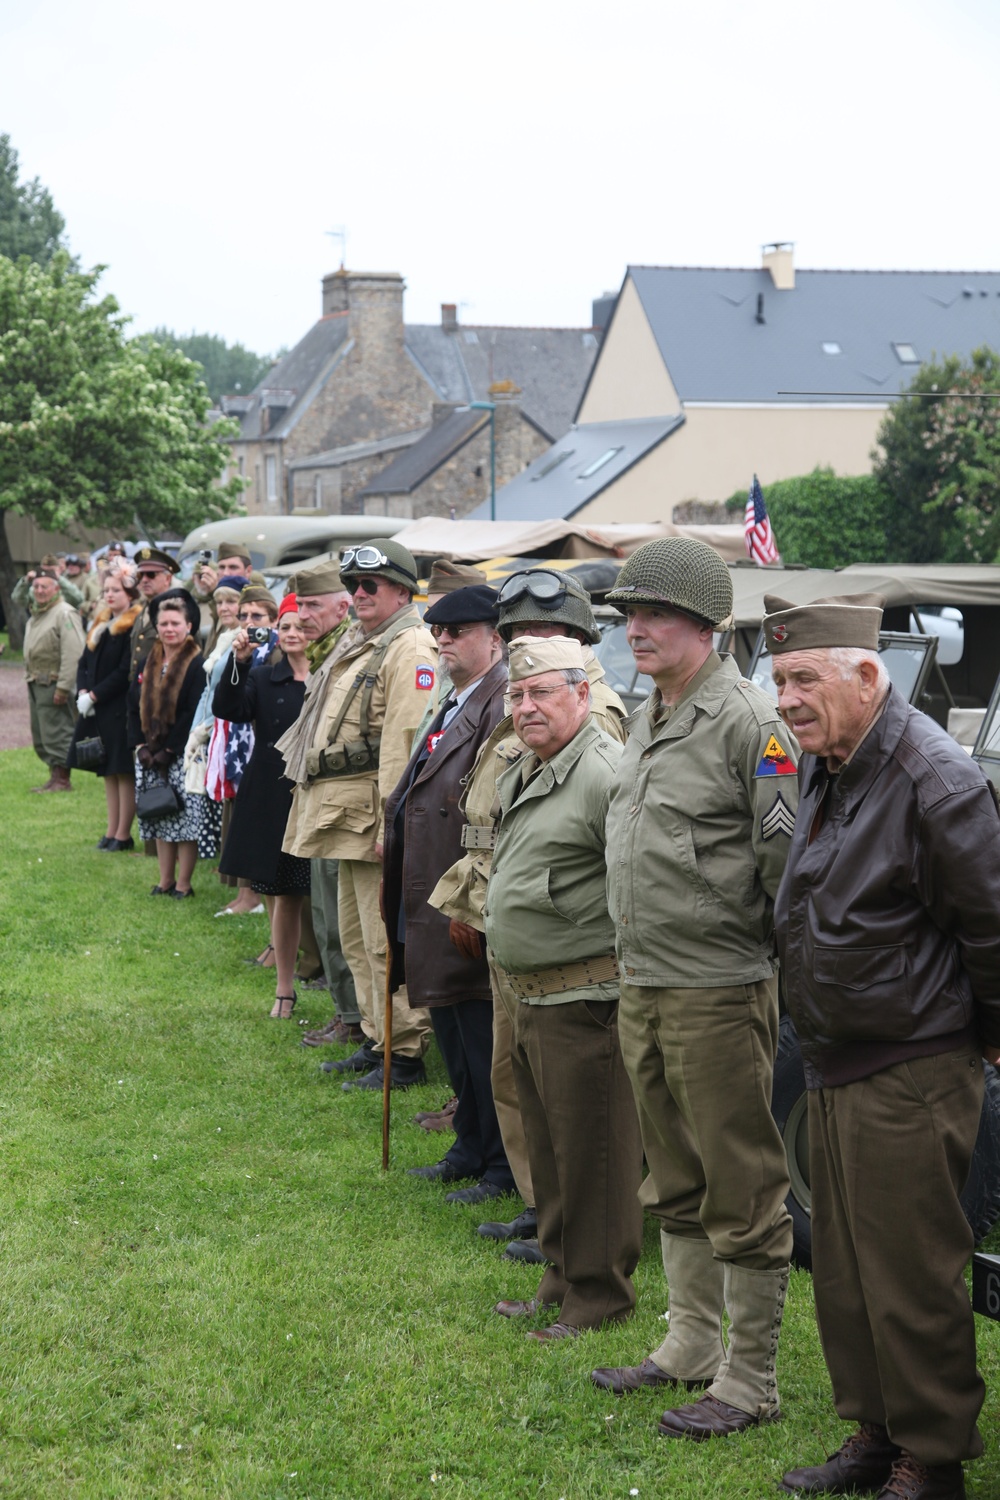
[387, 1058]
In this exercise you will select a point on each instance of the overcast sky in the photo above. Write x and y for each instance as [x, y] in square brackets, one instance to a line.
[511, 157]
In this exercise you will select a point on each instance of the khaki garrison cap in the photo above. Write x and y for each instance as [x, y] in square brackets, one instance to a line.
[842, 620]
[531, 655]
[323, 579]
[447, 576]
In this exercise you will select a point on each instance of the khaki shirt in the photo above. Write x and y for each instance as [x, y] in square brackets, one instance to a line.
[461, 891]
[53, 643]
[698, 834]
[546, 901]
[340, 817]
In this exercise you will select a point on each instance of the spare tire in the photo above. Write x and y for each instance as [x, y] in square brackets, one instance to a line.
[980, 1198]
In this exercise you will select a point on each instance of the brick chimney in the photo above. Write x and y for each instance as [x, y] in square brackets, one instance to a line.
[449, 317]
[778, 259]
[372, 300]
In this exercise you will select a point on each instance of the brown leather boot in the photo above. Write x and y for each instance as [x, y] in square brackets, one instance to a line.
[861, 1465]
[50, 784]
[62, 783]
[911, 1480]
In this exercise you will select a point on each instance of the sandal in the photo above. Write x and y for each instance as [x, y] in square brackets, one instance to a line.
[278, 1011]
[262, 962]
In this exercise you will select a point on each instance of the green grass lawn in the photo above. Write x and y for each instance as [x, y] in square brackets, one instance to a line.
[209, 1288]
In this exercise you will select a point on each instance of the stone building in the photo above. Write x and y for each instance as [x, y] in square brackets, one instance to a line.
[363, 393]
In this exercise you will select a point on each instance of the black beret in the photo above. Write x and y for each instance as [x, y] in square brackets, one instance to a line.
[465, 607]
[179, 599]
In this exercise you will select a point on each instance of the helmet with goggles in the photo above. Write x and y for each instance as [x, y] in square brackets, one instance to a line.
[380, 558]
[545, 595]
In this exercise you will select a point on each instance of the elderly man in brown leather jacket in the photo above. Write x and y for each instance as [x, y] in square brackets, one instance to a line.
[888, 922]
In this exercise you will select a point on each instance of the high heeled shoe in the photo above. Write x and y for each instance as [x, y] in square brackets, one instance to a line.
[279, 1011]
[262, 962]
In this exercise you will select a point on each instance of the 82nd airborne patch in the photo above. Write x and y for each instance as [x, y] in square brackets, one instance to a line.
[775, 761]
[424, 678]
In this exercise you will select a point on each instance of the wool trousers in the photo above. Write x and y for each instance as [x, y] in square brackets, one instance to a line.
[324, 889]
[362, 937]
[508, 1108]
[888, 1157]
[586, 1156]
[464, 1033]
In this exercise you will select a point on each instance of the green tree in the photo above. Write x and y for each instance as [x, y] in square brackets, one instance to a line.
[96, 429]
[826, 520]
[30, 223]
[226, 368]
[939, 462]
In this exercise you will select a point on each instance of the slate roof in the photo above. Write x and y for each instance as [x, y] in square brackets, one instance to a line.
[428, 453]
[705, 324]
[301, 373]
[549, 365]
[557, 484]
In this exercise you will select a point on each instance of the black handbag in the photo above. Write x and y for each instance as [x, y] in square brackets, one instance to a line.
[90, 753]
[157, 802]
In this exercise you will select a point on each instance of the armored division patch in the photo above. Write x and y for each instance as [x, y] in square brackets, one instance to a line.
[774, 761]
[779, 819]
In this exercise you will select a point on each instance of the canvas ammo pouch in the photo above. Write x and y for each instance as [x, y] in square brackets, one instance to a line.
[355, 757]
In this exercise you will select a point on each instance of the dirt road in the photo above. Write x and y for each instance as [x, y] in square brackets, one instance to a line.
[15, 730]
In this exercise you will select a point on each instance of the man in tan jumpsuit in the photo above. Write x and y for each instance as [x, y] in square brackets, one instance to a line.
[53, 642]
[359, 736]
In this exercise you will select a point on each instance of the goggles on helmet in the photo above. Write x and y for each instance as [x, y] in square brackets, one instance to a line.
[547, 589]
[353, 558]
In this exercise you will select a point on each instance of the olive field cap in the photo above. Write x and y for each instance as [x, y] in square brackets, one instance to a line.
[254, 595]
[151, 557]
[447, 576]
[467, 606]
[324, 578]
[49, 561]
[677, 570]
[841, 620]
[544, 594]
[380, 558]
[176, 599]
[531, 655]
[235, 549]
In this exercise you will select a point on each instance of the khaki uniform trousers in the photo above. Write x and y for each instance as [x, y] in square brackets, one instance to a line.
[505, 1100]
[585, 1154]
[701, 1063]
[362, 938]
[324, 886]
[51, 726]
[888, 1157]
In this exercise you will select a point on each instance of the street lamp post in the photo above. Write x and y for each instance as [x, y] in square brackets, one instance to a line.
[490, 406]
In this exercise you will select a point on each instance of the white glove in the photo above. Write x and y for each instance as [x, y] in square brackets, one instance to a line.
[84, 705]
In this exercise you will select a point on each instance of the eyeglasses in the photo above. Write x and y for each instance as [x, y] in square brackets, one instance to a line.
[454, 631]
[370, 557]
[547, 589]
[537, 695]
[150, 572]
[368, 585]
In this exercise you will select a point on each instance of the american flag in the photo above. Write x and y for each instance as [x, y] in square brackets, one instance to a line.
[757, 528]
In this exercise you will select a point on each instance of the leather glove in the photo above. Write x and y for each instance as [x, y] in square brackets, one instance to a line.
[466, 939]
[84, 705]
[144, 757]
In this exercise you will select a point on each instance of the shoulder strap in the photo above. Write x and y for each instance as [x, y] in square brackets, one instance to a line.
[368, 675]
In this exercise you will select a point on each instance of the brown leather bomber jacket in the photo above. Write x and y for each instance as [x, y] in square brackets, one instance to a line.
[888, 923]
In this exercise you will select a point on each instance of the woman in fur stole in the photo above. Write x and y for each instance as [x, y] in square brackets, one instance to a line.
[102, 688]
[169, 684]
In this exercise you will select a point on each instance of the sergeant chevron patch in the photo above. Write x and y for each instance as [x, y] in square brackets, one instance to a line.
[779, 819]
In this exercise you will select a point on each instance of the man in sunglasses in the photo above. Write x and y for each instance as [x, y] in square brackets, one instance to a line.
[378, 683]
[423, 838]
[156, 572]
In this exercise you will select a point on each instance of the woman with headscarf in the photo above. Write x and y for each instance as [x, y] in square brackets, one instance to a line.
[102, 702]
[270, 696]
[167, 688]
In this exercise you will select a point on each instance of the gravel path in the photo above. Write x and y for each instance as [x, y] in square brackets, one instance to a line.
[15, 729]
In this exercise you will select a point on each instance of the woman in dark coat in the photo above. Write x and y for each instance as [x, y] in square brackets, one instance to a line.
[102, 701]
[163, 700]
[270, 697]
